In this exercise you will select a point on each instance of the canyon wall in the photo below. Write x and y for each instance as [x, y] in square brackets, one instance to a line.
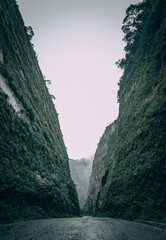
[100, 164]
[134, 182]
[35, 180]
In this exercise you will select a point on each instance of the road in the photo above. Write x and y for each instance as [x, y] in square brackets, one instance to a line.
[85, 228]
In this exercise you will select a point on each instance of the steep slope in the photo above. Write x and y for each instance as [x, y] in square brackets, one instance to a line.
[100, 164]
[80, 172]
[135, 184]
[35, 178]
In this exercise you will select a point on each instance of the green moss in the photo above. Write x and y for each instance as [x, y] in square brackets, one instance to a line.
[135, 187]
[35, 179]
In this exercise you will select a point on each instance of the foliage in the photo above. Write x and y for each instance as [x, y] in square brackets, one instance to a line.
[35, 180]
[30, 32]
[133, 186]
[48, 81]
[100, 164]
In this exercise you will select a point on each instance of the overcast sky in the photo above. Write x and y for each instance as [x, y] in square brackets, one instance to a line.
[78, 43]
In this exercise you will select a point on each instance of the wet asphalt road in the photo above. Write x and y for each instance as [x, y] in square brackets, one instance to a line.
[85, 228]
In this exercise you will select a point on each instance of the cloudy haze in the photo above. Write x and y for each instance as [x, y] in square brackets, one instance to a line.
[78, 43]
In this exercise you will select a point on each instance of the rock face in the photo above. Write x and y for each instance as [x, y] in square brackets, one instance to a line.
[80, 173]
[100, 164]
[35, 179]
[134, 182]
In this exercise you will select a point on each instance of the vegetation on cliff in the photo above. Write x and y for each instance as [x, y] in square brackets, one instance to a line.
[135, 180]
[35, 179]
[100, 164]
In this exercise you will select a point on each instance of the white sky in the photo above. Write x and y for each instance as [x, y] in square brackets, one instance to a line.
[78, 43]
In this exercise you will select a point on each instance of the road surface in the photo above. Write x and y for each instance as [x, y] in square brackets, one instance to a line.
[85, 228]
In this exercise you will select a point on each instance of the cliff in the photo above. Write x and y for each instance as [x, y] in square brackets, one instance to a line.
[100, 164]
[35, 179]
[80, 172]
[134, 185]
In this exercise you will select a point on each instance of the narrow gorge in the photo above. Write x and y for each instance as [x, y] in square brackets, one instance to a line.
[37, 179]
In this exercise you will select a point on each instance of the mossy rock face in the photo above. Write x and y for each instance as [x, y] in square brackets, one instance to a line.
[100, 165]
[35, 179]
[135, 179]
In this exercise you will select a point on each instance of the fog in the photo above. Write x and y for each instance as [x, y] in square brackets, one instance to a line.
[80, 172]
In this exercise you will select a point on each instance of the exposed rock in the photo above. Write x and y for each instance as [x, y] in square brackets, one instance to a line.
[133, 185]
[11, 97]
[1, 57]
[35, 180]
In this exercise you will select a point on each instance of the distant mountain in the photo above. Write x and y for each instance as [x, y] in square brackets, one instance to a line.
[80, 173]
[35, 180]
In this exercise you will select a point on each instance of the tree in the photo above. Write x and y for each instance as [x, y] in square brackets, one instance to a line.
[132, 23]
[48, 81]
[53, 97]
[121, 63]
[30, 32]
[132, 28]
